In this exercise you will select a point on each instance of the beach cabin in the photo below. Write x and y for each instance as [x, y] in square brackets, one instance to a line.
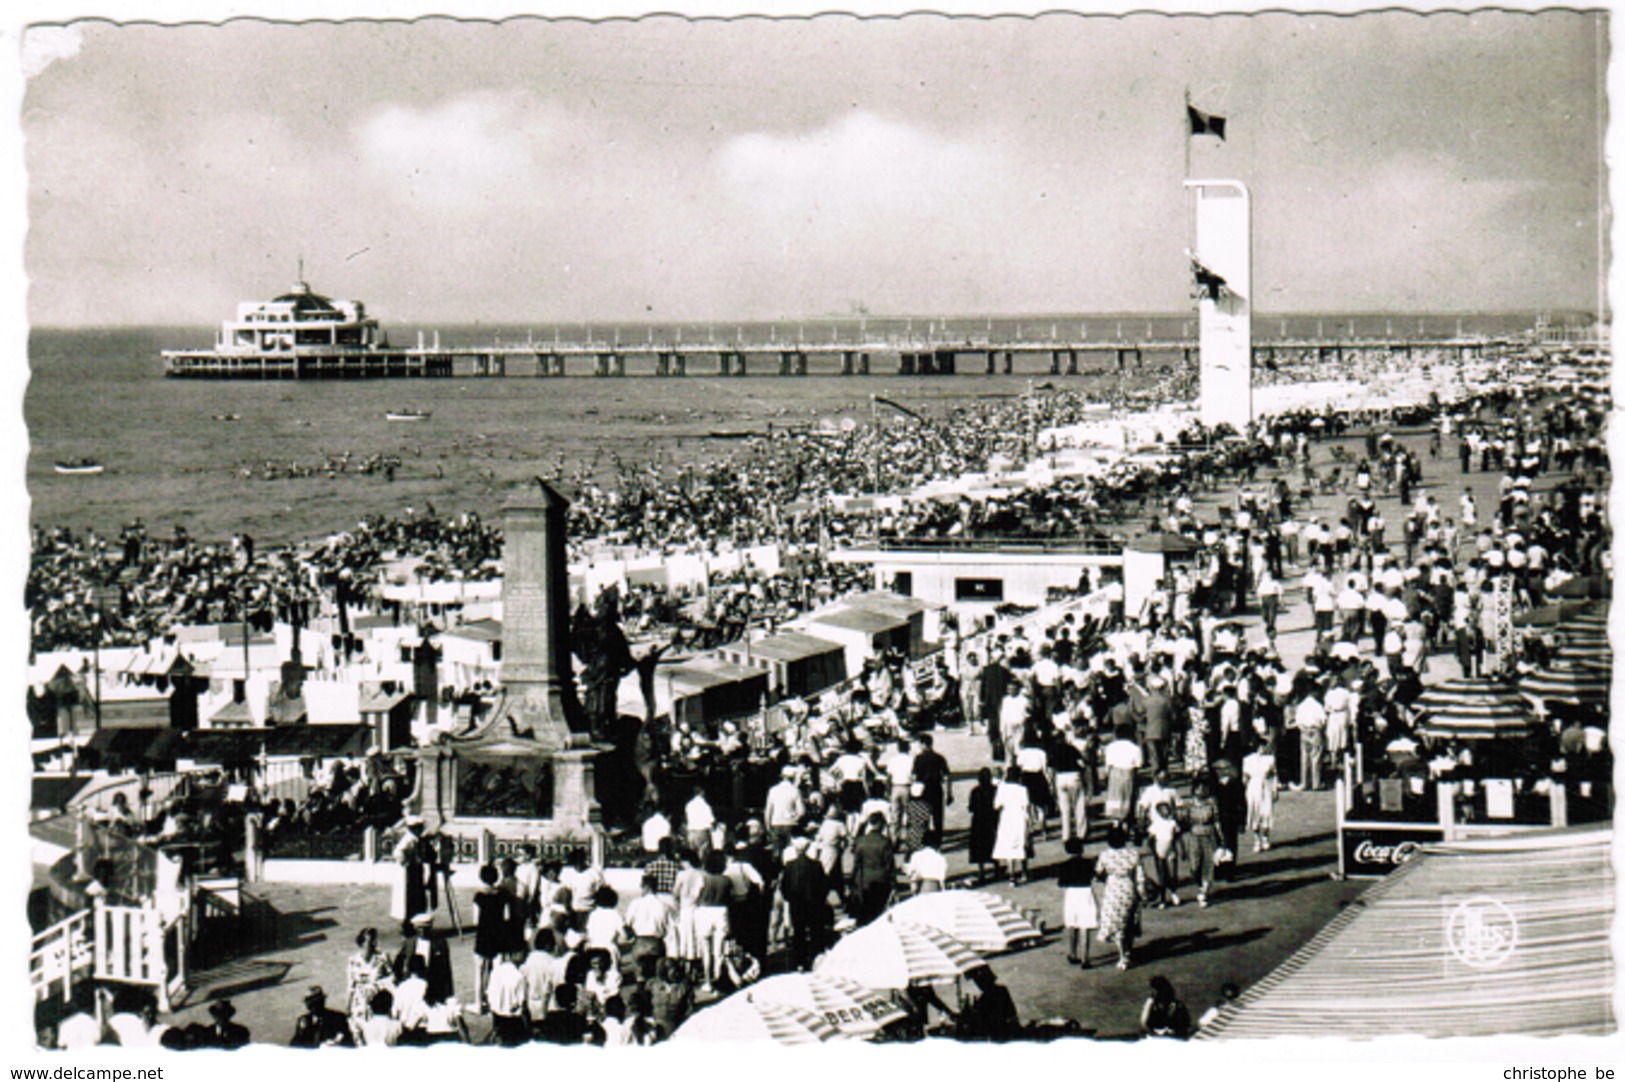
[795, 664]
[973, 577]
[471, 654]
[388, 716]
[705, 691]
[862, 634]
[924, 617]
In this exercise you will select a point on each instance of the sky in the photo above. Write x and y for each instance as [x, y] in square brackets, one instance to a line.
[539, 171]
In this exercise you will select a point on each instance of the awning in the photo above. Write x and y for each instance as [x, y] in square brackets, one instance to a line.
[1468, 939]
[1469, 709]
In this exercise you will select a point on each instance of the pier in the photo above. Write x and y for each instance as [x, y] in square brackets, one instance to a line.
[791, 359]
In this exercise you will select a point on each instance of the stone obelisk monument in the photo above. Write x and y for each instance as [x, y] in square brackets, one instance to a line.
[538, 687]
[523, 770]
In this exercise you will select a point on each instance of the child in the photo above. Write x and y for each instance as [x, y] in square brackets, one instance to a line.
[1081, 915]
[1162, 829]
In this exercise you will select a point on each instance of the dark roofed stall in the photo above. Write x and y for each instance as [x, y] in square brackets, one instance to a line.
[796, 664]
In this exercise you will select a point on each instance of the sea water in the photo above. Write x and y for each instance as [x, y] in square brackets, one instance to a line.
[192, 452]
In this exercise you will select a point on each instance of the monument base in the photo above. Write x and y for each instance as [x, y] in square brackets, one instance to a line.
[569, 819]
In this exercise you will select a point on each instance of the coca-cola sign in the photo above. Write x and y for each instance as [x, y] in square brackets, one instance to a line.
[1378, 850]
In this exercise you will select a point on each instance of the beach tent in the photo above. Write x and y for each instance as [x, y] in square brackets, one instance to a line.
[796, 664]
[1484, 938]
[706, 690]
[924, 618]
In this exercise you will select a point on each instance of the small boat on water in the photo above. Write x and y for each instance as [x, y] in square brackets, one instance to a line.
[731, 434]
[228, 417]
[407, 415]
[79, 465]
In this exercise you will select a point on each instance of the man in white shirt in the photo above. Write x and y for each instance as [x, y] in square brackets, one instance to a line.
[1310, 719]
[698, 819]
[655, 828]
[505, 994]
[783, 809]
[899, 768]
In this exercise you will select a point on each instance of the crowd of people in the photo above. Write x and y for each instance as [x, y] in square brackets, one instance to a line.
[1165, 733]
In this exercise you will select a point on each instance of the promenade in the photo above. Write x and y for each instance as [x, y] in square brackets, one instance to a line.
[1270, 905]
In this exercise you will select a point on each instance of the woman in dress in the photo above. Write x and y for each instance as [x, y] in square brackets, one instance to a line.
[1201, 816]
[1011, 839]
[984, 823]
[1079, 911]
[1196, 739]
[366, 971]
[1119, 869]
[1258, 771]
[1123, 759]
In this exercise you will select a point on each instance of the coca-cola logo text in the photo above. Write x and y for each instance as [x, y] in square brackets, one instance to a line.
[1368, 852]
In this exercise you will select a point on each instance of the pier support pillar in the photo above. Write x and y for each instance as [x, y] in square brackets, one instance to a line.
[620, 364]
[947, 362]
[1071, 362]
[1054, 362]
[784, 363]
[660, 365]
[846, 362]
[992, 361]
[740, 368]
[1122, 358]
[681, 360]
[905, 364]
[725, 363]
[863, 364]
[799, 364]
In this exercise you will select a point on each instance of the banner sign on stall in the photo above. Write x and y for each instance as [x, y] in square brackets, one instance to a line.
[1375, 851]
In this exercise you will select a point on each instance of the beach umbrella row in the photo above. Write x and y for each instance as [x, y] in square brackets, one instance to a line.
[1586, 652]
[796, 1008]
[896, 954]
[1474, 709]
[937, 936]
[854, 1009]
[745, 1017]
[981, 920]
[1579, 684]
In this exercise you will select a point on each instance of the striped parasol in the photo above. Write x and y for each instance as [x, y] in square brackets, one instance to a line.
[854, 1009]
[1591, 652]
[1554, 615]
[1474, 710]
[896, 954]
[982, 921]
[1579, 684]
[744, 1017]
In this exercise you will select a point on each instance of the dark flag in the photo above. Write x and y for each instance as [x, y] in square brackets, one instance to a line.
[1205, 123]
[1208, 283]
[899, 408]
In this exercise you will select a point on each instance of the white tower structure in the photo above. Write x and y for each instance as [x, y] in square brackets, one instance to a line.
[1223, 261]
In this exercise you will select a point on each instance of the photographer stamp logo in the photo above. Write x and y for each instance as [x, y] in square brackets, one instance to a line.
[1481, 932]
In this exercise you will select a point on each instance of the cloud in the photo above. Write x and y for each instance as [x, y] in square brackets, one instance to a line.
[464, 154]
[44, 45]
[859, 169]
